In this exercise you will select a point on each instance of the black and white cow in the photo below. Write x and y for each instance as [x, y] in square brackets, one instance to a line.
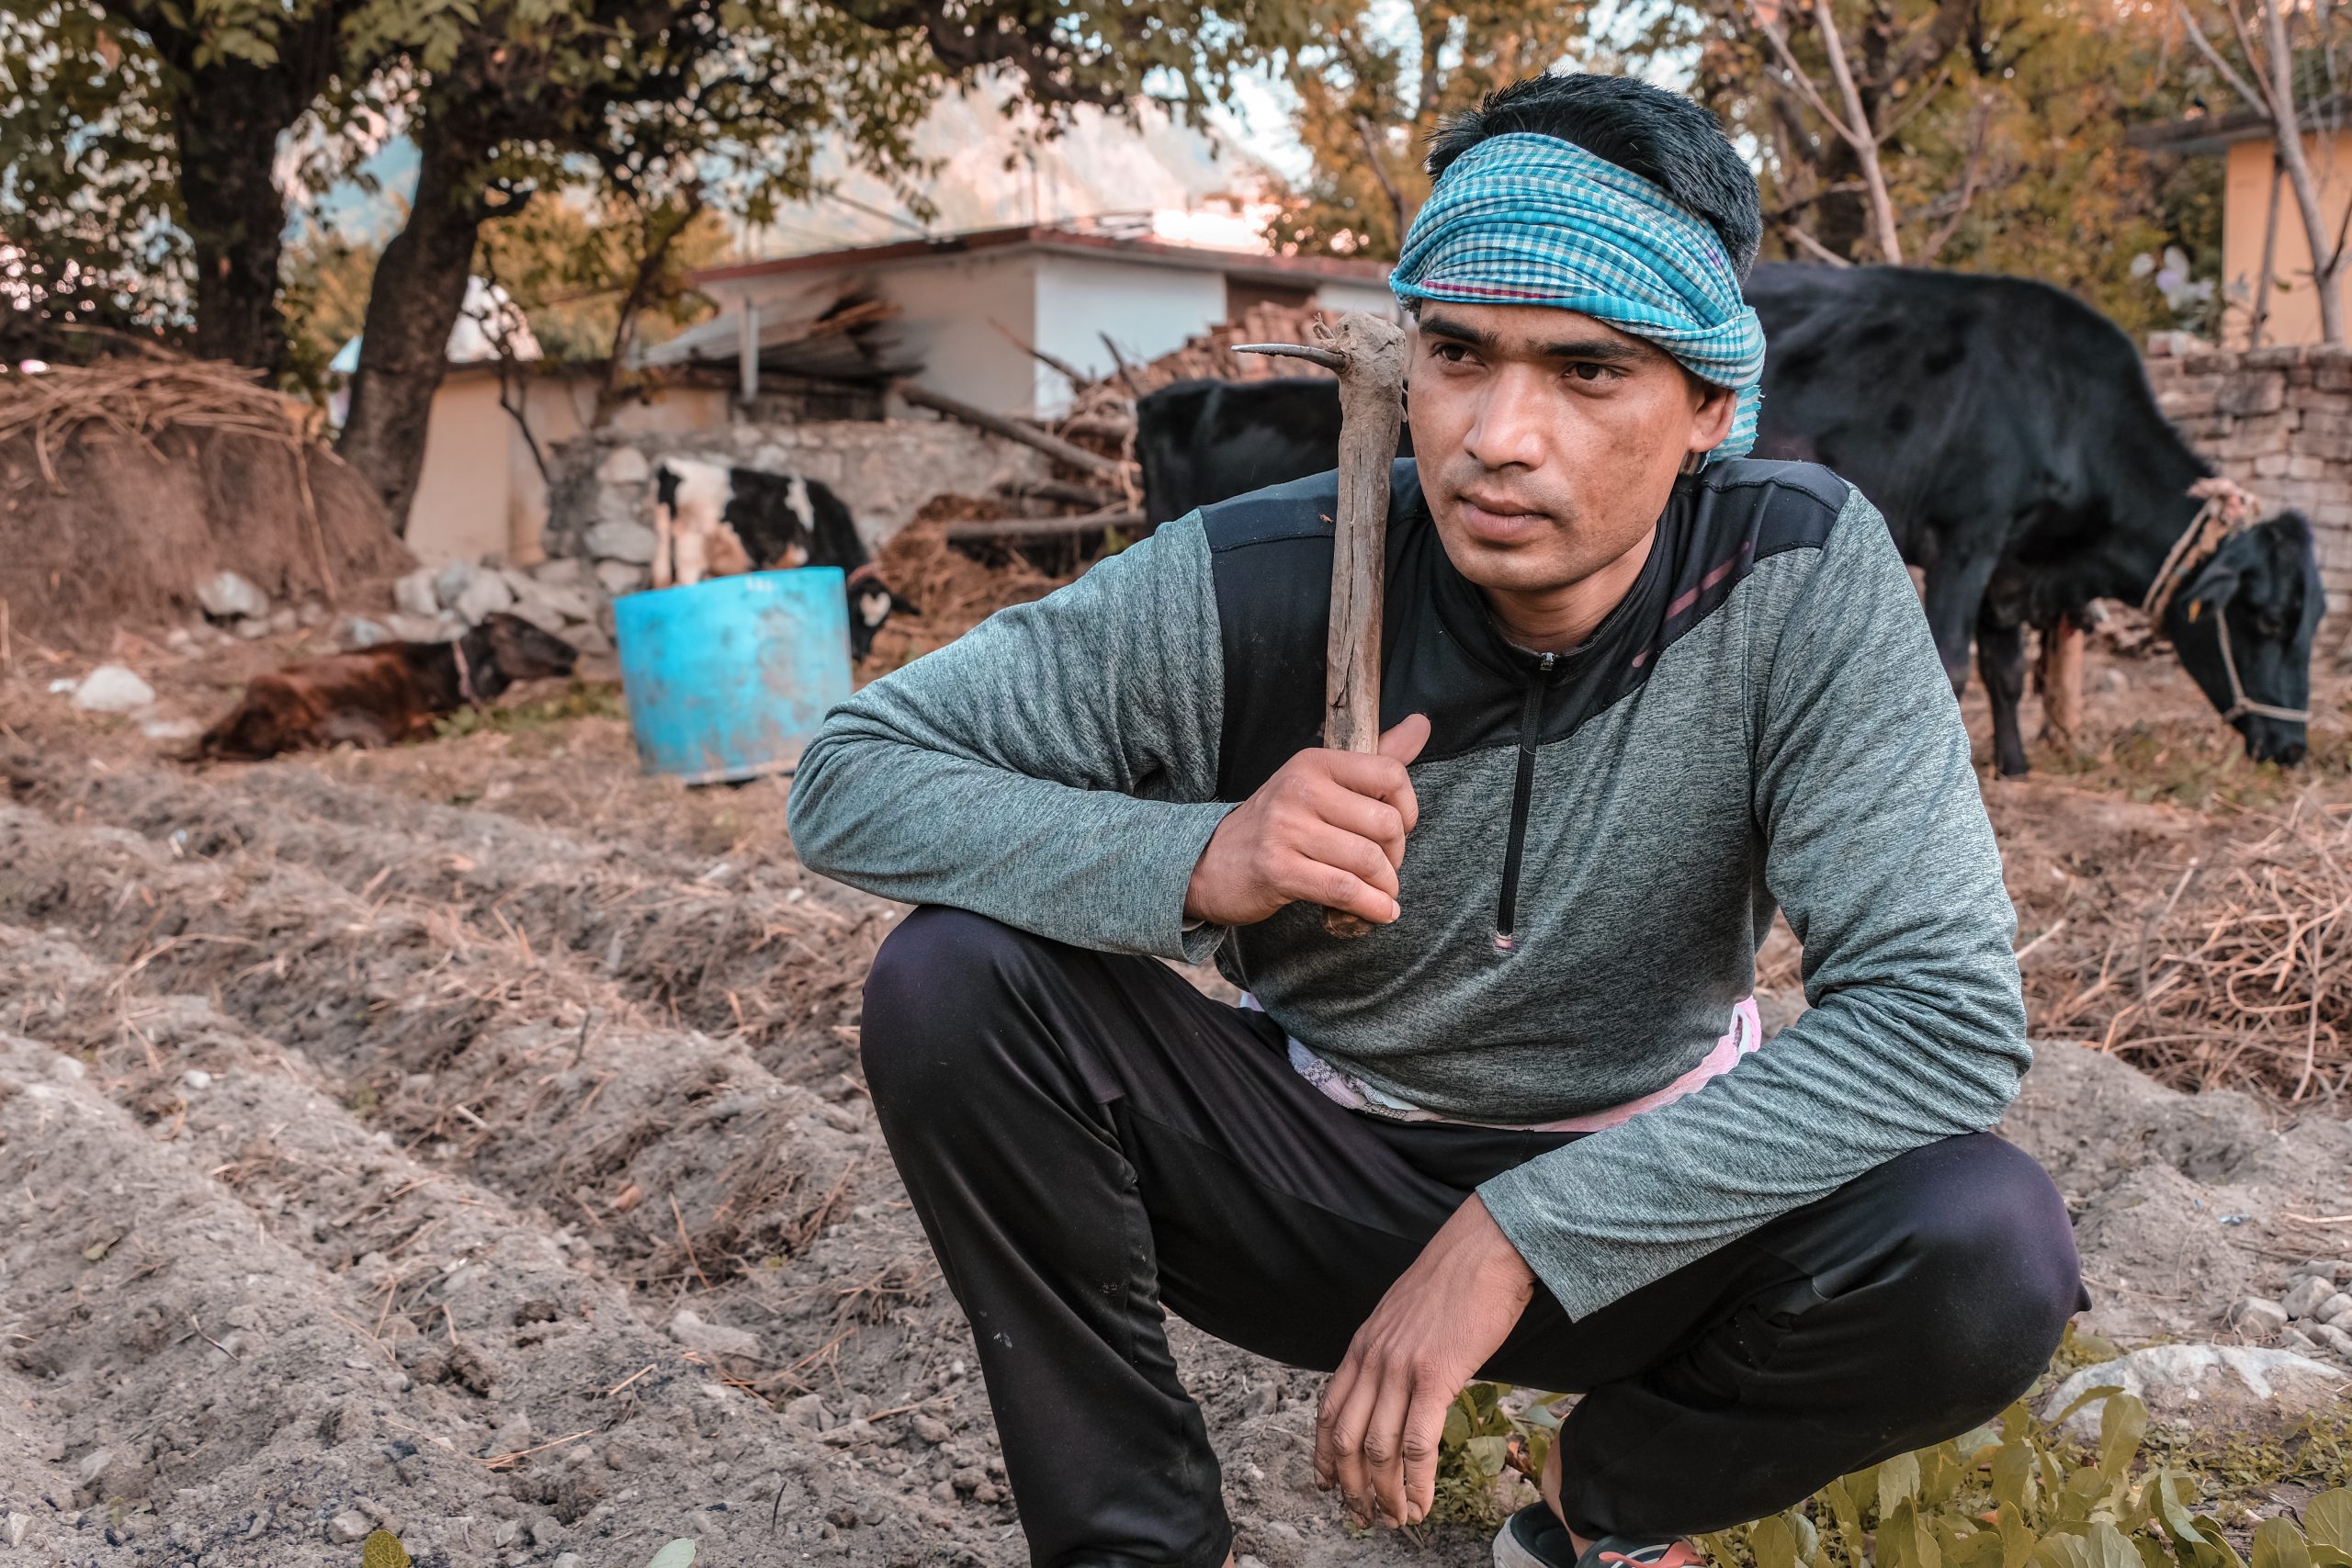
[711, 521]
[1200, 442]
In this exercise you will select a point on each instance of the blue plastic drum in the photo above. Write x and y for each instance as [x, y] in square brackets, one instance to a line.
[728, 679]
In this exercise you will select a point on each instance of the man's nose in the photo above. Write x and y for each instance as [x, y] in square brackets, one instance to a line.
[1513, 415]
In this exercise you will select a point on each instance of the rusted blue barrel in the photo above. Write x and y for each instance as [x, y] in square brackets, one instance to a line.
[730, 678]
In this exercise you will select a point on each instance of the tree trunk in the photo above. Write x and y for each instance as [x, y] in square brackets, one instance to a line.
[226, 123]
[2286, 130]
[418, 294]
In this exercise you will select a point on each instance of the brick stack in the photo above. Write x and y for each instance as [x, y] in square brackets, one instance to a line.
[2278, 421]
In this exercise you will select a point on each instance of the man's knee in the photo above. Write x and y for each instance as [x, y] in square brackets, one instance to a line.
[936, 981]
[1985, 1270]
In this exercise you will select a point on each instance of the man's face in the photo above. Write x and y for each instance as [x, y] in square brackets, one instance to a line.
[1548, 442]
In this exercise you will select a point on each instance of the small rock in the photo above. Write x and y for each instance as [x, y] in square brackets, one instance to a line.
[503, 1532]
[588, 638]
[2303, 1299]
[567, 1559]
[713, 1338]
[251, 630]
[420, 628]
[197, 1079]
[943, 1493]
[226, 596]
[93, 1466]
[111, 688]
[540, 613]
[485, 596]
[349, 1526]
[615, 539]
[932, 1430]
[1246, 1560]
[170, 729]
[850, 1434]
[2336, 1340]
[452, 579]
[182, 641]
[969, 1479]
[2258, 1317]
[2296, 1340]
[807, 1412]
[988, 1492]
[2336, 1309]
[563, 571]
[415, 594]
[13, 1528]
[309, 613]
[2220, 1387]
[617, 578]
[359, 631]
[512, 1437]
[2336, 1268]
[624, 465]
[283, 619]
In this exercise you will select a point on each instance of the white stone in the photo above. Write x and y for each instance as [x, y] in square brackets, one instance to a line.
[283, 619]
[2303, 1299]
[15, 1526]
[2258, 1317]
[2336, 1268]
[349, 1526]
[311, 614]
[539, 612]
[2210, 1387]
[93, 1466]
[2336, 1339]
[2336, 1309]
[111, 688]
[588, 638]
[712, 1338]
[170, 729]
[359, 631]
[512, 1435]
[618, 577]
[615, 539]
[225, 596]
[453, 579]
[251, 629]
[197, 1077]
[419, 628]
[414, 593]
[484, 596]
[182, 641]
[808, 1412]
[564, 572]
[624, 465]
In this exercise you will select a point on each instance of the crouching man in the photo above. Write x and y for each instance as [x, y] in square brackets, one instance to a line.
[1639, 691]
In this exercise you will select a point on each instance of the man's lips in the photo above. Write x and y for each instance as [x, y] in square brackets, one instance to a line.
[1496, 517]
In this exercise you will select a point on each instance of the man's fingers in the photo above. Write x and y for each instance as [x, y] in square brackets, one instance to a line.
[1361, 858]
[1341, 1426]
[1384, 1440]
[1368, 817]
[1305, 880]
[1380, 777]
[1424, 1432]
[1327, 1412]
[1404, 741]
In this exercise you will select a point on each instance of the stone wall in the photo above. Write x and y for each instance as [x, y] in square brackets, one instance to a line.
[601, 506]
[2278, 421]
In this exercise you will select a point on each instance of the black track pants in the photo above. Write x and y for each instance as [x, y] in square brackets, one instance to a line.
[1089, 1140]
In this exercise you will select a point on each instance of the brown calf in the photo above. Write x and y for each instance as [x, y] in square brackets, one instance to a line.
[379, 696]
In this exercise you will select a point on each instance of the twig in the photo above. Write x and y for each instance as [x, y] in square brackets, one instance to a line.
[504, 1461]
[209, 1341]
[687, 1242]
[630, 1379]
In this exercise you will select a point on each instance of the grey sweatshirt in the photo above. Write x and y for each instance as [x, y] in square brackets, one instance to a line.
[1603, 838]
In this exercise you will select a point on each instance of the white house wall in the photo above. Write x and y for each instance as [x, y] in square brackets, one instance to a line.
[1149, 310]
[1338, 295]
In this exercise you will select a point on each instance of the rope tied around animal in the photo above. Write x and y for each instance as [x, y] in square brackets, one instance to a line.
[2229, 510]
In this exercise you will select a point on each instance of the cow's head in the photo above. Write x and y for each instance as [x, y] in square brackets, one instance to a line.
[521, 651]
[871, 603]
[2261, 592]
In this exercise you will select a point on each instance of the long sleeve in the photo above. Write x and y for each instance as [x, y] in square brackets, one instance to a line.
[1054, 768]
[1878, 848]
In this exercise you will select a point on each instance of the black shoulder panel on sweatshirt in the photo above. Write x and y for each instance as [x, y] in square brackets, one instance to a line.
[1441, 652]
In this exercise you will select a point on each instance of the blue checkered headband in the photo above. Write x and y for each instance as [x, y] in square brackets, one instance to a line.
[1528, 219]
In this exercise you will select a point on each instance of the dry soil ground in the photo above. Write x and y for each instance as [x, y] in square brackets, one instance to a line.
[468, 1139]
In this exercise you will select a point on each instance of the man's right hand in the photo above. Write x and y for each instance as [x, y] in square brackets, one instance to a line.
[1327, 828]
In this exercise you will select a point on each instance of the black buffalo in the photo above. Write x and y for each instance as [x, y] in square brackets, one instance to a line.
[1201, 442]
[2008, 432]
[2005, 428]
[714, 521]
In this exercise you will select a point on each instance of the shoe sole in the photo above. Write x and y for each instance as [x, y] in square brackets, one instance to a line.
[1509, 1553]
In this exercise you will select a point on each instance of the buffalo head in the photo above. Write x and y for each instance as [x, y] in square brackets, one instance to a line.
[2260, 592]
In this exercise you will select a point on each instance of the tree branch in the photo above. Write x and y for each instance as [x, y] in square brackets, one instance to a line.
[1796, 75]
[1812, 246]
[2254, 100]
[1890, 247]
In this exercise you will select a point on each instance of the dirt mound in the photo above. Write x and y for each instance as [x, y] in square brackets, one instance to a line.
[117, 497]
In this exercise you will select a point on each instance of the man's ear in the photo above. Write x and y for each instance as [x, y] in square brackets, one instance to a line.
[1711, 420]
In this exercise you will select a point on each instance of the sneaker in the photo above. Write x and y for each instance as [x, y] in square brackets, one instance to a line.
[1533, 1538]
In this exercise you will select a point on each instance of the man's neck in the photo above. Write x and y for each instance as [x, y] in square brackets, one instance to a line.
[1555, 620]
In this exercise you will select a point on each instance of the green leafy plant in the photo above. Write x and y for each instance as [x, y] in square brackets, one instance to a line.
[2016, 1494]
[582, 699]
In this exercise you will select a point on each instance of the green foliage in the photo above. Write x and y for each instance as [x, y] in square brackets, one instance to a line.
[382, 1548]
[572, 262]
[581, 699]
[2015, 1494]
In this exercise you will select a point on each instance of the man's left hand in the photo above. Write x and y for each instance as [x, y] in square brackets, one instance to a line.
[1383, 1412]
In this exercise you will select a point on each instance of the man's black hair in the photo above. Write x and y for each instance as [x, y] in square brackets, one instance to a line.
[1664, 138]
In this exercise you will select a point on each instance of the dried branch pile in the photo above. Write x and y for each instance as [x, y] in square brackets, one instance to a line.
[2234, 971]
[141, 399]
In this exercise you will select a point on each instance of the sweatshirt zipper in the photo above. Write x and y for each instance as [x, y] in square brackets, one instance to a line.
[1531, 714]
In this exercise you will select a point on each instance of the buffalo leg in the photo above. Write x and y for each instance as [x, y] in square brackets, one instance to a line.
[1954, 601]
[665, 529]
[2000, 659]
[2060, 677]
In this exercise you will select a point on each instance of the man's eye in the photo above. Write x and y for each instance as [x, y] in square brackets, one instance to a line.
[1452, 353]
[1590, 372]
